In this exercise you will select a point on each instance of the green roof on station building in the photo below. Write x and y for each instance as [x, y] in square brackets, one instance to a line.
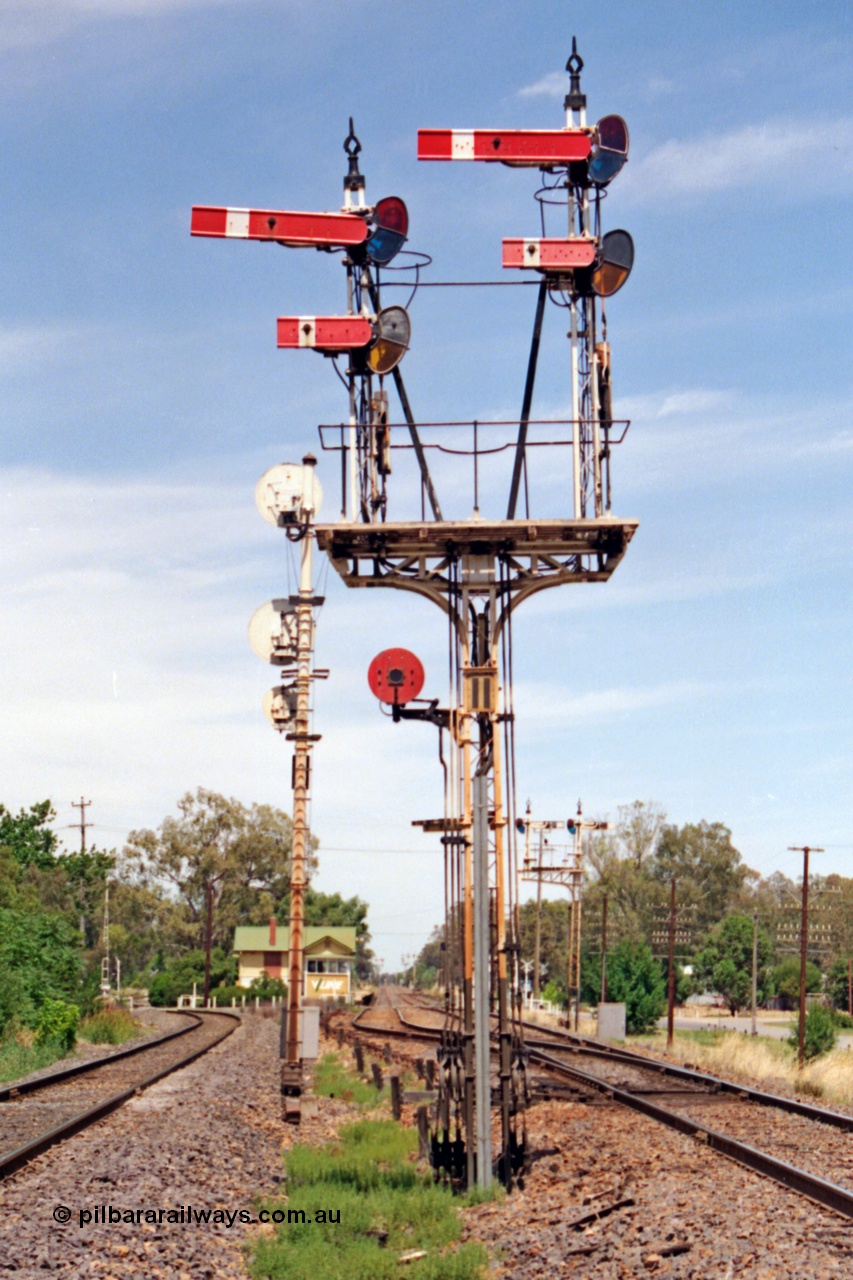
[256, 937]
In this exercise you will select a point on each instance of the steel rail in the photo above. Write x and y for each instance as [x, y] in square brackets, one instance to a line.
[409, 1030]
[15, 1160]
[833, 1197]
[78, 1068]
[719, 1084]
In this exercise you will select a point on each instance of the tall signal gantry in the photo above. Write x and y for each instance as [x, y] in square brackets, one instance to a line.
[476, 566]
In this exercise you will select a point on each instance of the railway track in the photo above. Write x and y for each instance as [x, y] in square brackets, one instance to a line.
[748, 1125]
[36, 1114]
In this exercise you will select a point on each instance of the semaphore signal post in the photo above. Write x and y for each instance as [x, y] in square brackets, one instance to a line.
[538, 515]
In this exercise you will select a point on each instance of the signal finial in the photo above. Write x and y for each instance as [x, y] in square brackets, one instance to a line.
[575, 100]
[354, 180]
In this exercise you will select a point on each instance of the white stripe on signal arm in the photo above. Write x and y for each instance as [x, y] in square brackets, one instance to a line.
[462, 144]
[237, 223]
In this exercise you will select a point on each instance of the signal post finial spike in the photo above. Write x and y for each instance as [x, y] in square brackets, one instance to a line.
[575, 101]
[354, 179]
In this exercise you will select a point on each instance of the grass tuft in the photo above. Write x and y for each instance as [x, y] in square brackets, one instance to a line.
[19, 1056]
[109, 1026]
[332, 1080]
[365, 1202]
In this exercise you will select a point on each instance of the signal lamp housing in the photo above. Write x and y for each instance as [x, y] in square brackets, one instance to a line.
[272, 632]
[287, 492]
[614, 264]
[392, 333]
[610, 152]
[390, 228]
[396, 676]
[611, 269]
[279, 705]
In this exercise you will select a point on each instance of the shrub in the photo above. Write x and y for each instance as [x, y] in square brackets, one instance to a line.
[109, 1026]
[178, 977]
[57, 1024]
[635, 979]
[39, 960]
[820, 1034]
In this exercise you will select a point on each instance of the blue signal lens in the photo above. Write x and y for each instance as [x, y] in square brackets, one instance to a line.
[610, 151]
[384, 245]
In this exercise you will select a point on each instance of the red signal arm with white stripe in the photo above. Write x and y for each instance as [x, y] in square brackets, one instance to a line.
[549, 255]
[320, 229]
[324, 333]
[512, 146]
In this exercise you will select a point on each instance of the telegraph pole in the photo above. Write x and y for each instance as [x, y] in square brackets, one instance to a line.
[805, 850]
[754, 971]
[82, 805]
[670, 996]
[537, 939]
[604, 949]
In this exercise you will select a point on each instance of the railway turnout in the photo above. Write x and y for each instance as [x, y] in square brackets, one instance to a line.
[750, 1126]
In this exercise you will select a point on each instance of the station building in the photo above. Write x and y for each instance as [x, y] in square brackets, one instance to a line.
[329, 952]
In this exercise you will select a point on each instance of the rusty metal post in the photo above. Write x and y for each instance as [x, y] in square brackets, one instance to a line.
[670, 999]
[396, 1097]
[604, 949]
[483, 1093]
[358, 1052]
[537, 939]
[301, 778]
[805, 850]
[804, 939]
[754, 973]
[504, 1027]
[208, 940]
[377, 1074]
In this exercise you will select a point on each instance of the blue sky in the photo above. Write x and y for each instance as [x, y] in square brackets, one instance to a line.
[142, 396]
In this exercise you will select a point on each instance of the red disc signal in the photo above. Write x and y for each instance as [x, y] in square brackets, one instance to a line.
[396, 676]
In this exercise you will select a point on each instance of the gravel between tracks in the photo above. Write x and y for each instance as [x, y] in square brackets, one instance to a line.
[211, 1136]
[736, 1224]
[208, 1136]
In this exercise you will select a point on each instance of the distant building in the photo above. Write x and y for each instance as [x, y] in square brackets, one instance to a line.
[329, 951]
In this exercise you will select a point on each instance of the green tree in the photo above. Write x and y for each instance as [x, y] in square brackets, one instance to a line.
[836, 984]
[239, 855]
[819, 1033]
[332, 909]
[40, 959]
[554, 939]
[708, 869]
[27, 835]
[786, 979]
[183, 971]
[724, 964]
[634, 978]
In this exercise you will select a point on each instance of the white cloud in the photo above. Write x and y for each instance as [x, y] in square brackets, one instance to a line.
[553, 85]
[839, 443]
[547, 707]
[27, 23]
[775, 152]
[27, 347]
